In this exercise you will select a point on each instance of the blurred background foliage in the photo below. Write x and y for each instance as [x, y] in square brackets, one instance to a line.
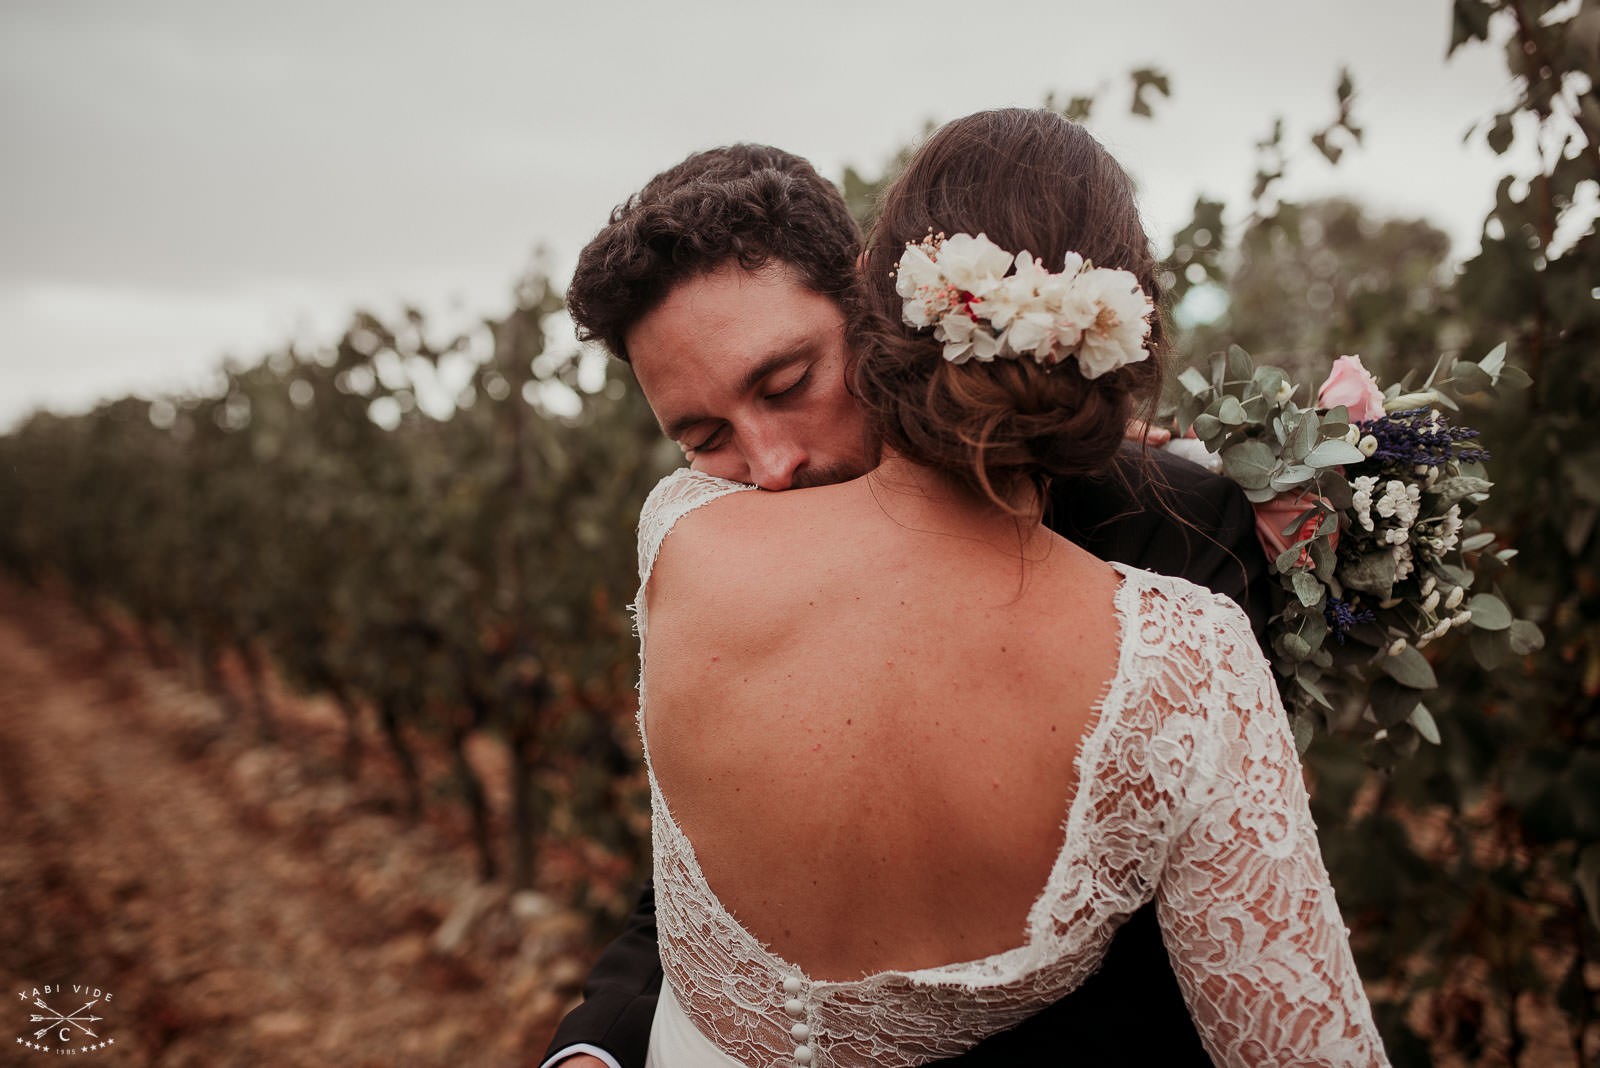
[467, 575]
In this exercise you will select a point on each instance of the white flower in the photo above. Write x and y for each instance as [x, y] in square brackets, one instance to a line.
[1453, 601]
[1403, 564]
[1121, 322]
[960, 287]
[1368, 445]
[1361, 500]
[1430, 602]
[1449, 529]
[1398, 647]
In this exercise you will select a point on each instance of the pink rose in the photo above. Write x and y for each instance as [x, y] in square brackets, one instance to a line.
[1351, 385]
[1272, 516]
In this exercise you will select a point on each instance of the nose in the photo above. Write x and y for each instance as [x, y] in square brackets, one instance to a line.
[773, 463]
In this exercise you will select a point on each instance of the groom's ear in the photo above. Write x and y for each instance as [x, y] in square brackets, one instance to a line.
[861, 261]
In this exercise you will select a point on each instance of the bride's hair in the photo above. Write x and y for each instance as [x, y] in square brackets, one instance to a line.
[1032, 181]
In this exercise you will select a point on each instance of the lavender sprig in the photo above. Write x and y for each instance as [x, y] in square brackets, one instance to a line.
[1420, 437]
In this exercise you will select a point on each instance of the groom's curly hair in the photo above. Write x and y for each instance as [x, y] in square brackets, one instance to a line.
[754, 204]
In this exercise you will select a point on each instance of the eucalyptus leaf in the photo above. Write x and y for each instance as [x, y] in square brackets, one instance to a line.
[1334, 451]
[1207, 427]
[1371, 573]
[1493, 361]
[1490, 648]
[1514, 378]
[1422, 720]
[1489, 612]
[1311, 688]
[1451, 490]
[1307, 588]
[1294, 645]
[1469, 378]
[1248, 463]
[1231, 412]
[1476, 542]
[1241, 369]
[1391, 702]
[1193, 381]
[1525, 637]
[1410, 668]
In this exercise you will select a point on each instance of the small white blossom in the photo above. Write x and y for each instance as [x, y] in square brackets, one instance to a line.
[1368, 445]
[1452, 602]
[1461, 617]
[1430, 602]
[1397, 647]
[1403, 564]
[1352, 436]
[1361, 500]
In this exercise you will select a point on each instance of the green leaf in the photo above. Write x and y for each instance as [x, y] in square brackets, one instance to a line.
[1241, 369]
[1333, 452]
[1307, 588]
[1410, 668]
[1514, 378]
[1371, 573]
[1248, 463]
[1422, 719]
[1469, 378]
[1493, 361]
[1311, 688]
[1295, 646]
[1490, 648]
[1391, 702]
[1477, 541]
[1526, 637]
[1489, 612]
[1230, 411]
[1207, 427]
[1193, 381]
[1287, 559]
[1451, 490]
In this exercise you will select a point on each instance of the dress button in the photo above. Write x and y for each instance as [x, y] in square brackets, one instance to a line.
[792, 985]
[802, 1054]
[795, 1007]
[800, 1032]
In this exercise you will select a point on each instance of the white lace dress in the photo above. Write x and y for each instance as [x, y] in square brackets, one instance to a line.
[1190, 793]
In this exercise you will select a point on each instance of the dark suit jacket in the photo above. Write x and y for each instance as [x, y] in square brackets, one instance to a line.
[1156, 512]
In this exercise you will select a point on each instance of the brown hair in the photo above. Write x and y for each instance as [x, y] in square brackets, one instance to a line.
[1034, 182]
[751, 203]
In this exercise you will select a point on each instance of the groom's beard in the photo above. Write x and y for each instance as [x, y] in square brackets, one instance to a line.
[808, 477]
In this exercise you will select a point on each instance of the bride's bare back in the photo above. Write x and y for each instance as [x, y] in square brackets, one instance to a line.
[871, 745]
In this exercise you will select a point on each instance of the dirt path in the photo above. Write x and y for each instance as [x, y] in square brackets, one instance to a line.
[240, 905]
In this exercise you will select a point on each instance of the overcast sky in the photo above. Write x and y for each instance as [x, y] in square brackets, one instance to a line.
[186, 179]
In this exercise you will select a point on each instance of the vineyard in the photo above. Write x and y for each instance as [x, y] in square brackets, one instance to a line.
[340, 672]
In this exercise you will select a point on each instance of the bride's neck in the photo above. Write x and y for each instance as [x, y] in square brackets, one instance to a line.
[917, 494]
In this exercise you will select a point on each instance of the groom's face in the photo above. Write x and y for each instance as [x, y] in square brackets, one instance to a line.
[746, 371]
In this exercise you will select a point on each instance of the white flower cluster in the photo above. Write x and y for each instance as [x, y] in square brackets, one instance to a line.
[1401, 504]
[959, 285]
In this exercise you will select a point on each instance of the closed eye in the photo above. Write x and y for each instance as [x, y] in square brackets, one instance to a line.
[790, 389]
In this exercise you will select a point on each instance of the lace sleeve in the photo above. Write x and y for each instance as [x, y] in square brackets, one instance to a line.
[674, 497]
[1247, 911]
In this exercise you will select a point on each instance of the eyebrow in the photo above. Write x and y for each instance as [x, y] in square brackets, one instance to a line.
[763, 367]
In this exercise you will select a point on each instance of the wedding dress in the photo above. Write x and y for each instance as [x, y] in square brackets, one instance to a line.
[1190, 792]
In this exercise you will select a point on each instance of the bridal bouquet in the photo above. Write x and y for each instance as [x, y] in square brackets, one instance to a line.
[1364, 501]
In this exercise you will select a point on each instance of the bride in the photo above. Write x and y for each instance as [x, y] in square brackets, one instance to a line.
[914, 757]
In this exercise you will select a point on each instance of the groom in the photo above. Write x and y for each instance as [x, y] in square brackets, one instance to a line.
[723, 282]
